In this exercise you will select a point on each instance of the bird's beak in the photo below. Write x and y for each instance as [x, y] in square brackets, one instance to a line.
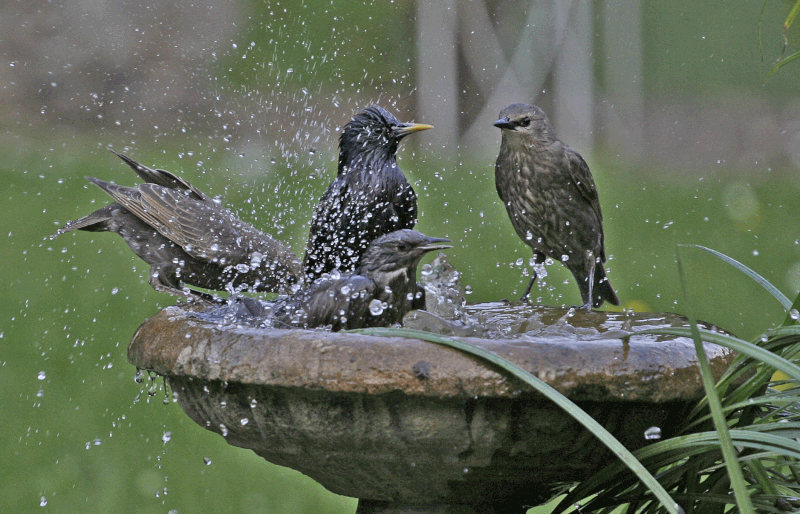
[434, 243]
[405, 129]
[504, 123]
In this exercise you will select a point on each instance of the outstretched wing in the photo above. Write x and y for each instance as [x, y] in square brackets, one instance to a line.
[204, 230]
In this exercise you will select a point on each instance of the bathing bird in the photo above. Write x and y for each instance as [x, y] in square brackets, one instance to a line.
[552, 201]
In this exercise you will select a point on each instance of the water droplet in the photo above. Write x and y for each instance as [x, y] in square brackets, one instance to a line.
[564, 258]
[206, 461]
[115, 290]
[468, 289]
[166, 437]
[652, 434]
[244, 421]
[42, 375]
[253, 403]
[376, 307]
[42, 501]
[792, 314]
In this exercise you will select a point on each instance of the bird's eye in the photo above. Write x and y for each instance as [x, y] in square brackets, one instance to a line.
[378, 131]
[526, 121]
[403, 247]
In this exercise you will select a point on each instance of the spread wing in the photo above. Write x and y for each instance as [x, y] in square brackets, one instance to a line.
[204, 230]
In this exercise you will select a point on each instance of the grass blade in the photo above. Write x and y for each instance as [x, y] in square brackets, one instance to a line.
[792, 15]
[782, 63]
[576, 412]
[787, 304]
[729, 454]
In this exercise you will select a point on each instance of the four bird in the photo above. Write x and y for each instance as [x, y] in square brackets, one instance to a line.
[552, 201]
[361, 257]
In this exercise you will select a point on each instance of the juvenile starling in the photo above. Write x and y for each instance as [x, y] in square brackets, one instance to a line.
[370, 196]
[379, 293]
[188, 238]
[551, 198]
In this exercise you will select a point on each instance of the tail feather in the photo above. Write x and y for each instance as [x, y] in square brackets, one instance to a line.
[94, 222]
[602, 289]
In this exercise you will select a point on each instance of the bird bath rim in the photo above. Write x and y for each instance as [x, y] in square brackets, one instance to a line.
[173, 343]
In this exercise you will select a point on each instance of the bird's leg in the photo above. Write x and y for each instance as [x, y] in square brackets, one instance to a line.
[526, 295]
[589, 303]
[538, 258]
[165, 282]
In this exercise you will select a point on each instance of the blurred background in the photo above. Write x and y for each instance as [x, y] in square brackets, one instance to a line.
[667, 101]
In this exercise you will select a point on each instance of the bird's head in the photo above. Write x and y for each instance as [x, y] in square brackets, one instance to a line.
[398, 251]
[525, 121]
[373, 133]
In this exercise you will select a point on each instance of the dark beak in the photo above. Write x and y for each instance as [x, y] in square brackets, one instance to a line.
[404, 129]
[504, 123]
[434, 243]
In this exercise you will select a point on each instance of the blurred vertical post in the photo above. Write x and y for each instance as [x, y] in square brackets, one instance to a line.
[573, 78]
[623, 80]
[437, 73]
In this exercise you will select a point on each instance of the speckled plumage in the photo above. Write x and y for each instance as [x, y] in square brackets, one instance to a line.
[370, 196]
[552, 200]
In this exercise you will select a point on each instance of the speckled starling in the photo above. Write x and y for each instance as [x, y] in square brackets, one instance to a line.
[379, 293]
[370, 196]
[552, 201]
[188, 238]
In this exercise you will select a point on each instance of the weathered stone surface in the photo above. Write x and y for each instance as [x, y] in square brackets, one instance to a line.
[399, 421]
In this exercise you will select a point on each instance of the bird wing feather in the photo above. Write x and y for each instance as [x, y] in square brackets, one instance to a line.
[162, 178]
[325, 300]
[583, 180]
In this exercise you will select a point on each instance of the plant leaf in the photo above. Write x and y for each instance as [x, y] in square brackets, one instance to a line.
[729, 454]
[783, 62]
[787, 304]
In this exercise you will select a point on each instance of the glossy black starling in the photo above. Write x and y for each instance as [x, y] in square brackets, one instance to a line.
[188, 238]
[552, 201]
[370, 196]
[379, 293]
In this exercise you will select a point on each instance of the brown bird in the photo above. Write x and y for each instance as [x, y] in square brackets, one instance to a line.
[552, 201]
[188, 238]
[370, 196]
[379, 293]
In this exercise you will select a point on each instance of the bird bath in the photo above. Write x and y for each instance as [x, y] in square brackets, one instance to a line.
[414, 427]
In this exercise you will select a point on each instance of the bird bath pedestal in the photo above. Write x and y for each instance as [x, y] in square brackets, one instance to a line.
[414, 427]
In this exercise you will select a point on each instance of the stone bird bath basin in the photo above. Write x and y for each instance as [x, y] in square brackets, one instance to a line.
[414, 427]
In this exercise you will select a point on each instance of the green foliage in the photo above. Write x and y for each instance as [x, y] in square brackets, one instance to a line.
[790, 18]
[742, 438]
